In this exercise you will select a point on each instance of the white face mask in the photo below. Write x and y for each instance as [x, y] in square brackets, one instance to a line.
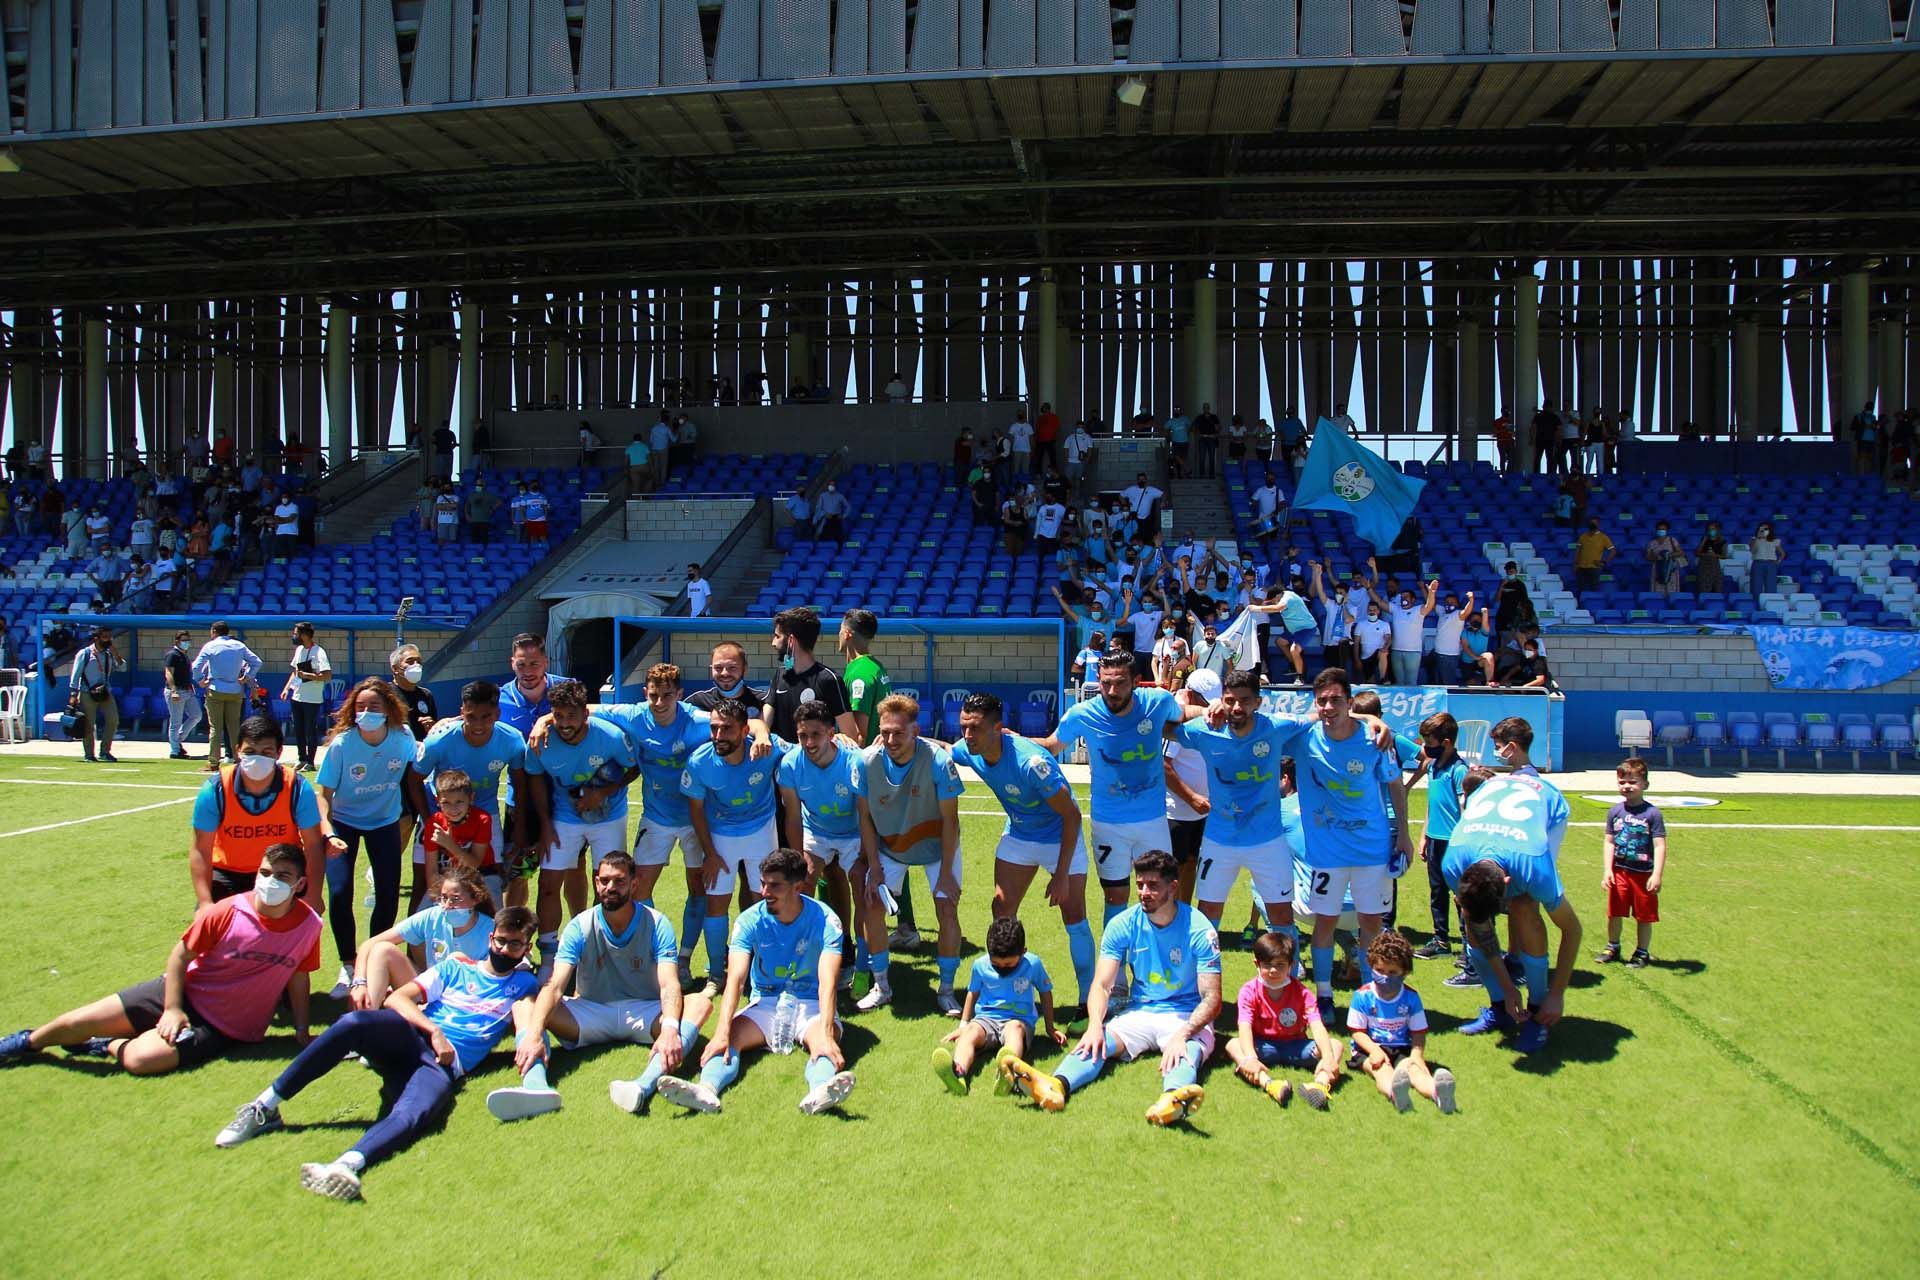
[412, 672]
[257, 768]
[458, 917]
[273, 892]
[370, 720]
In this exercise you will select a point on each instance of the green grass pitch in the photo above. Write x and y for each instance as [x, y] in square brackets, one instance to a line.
[1741, 1106]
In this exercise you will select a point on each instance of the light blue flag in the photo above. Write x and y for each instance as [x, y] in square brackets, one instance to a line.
[1343, 475]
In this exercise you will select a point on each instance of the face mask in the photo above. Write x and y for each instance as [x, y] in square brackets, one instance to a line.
[272, 892]
[370, 720]
[1166, 631]
[501, 961]
[1388, 988]
[458, 917]
[257, 768]
[412, 672]
[1531, 654]
[1660, 533]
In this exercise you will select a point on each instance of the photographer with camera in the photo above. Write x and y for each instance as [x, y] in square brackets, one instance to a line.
[90, 693]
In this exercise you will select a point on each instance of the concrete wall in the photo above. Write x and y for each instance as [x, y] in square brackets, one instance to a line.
[876, 432]
[366, 656]
[684, 519]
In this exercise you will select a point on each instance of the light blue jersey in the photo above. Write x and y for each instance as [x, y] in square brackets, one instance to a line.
[1388, 1023]
[786, 957]
[1009, 997]
[656, 949]
[1516, 821]
[1129, 780]
[489, 765]
[433, 933]
[827, 795]
[1243, 776]
[601, 758]
[365, 779]
[663, 752]
[1025, 780]
[1343, 801]
[472, 1005]
[738, 797]
[1166, 961]
[1443, 798]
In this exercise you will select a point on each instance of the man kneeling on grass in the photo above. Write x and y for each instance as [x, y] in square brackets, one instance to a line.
[223, 979]
[433, 1031]
[1173, 955]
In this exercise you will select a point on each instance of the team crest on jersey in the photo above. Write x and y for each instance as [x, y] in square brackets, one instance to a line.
[594, 762]
[1173, 956]
[358, 773]
[842, 790]
[1013, 790]
[1356, 767]
[755, 778]
[496, 766]
[1261, 750]
[395, 766]
[1021, 984]
[1144, 728]
[1289, 1016]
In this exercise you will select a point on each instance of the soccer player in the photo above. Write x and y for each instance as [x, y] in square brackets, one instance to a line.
[432, 1032]
[1389, 1026]
[820, 787]
[487, 753]
[788, 948]
[1043, 825]
[910, 816]
[222, 981]
[1353, 809]
[588, 766]
[619, 960]
[1280, 1026]
[1174, 955]
[1123, 729]
[1008, 990]
[865, 679]
[1502, 857]
[730, 807]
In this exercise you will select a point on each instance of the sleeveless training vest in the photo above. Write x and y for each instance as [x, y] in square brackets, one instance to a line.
[242, 839]
[906, 815]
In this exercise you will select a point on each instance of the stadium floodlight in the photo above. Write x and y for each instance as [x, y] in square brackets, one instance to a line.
[1132, 91]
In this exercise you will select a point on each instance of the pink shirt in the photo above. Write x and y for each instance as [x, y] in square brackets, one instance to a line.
[1281, 1015]
[244, 961]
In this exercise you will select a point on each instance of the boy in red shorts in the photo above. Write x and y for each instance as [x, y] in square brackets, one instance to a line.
[1633, 863]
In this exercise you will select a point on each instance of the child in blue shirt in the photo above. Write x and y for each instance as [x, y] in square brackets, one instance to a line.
[1004, 990]
[1389, 1026]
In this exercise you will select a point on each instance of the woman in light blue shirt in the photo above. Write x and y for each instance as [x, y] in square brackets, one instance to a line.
[365, 762]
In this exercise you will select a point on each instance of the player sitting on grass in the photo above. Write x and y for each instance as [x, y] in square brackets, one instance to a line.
[1173, 957]
[1633, 863]
[789, 945]
[1389, 1026]
[1004, 989]
[1280, 1026]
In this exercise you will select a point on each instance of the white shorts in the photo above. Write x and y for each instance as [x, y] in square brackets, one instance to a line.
[1270, 865]
[1117, 844]
[1016, 852]
[742, 855]
[895, 874]
[1327, 889]
[622, 1022]
[572, 837]
[420, 848]
[844, 850]
[653, 845]
[1139, 1033]
[760, 1014]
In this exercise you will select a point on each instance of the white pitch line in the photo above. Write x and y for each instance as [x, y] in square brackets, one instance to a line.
[74, 822]
[118, 786]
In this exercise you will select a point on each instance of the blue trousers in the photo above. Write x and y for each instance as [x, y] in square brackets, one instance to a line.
[404, 1060]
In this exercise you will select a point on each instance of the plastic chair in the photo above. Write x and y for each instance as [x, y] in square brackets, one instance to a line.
[1473, 740]
[950, 712]
[1708, 733]
[1856, 734]
[1895, 737]
[1821, 734]
[1634, 729]
[1037, 713]
[1670, 730]
[1783, 732]
[1745, 728]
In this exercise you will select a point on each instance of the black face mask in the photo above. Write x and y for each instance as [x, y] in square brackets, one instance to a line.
[502, 962]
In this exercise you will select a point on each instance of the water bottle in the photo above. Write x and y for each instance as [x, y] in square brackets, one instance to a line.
[889, 903]
[786, 1024]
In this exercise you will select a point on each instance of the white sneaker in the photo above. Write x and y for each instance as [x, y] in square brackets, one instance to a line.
[519, 1103]
[875, 998]
[827, 1095]
[1402, 1088]
[343, 984]
[335, 1180]
[1443, 1087]
[250, 1121]
[948, 1003]
[903, 938]
[691, 1094]
[626, 1095]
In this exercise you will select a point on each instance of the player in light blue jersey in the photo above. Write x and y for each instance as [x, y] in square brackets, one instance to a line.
[1174, 957]
[1353, 810]
[1043, 824]
[490, 754]
[786, 950]
[581, 803]
[1502, 857]
[730, 799]
[821, 781]
[1008, 990]
[1123, 729]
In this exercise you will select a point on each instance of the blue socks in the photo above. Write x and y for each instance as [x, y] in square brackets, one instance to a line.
[714, 928]
[1187, 1072]
[721, 1071]
[1080, 946]
[691, 915]
[1078, 1072]
[1482, 965]
[1107, 912]
[1360, 958]
[860, 955]
[1323, 969]
[1535, 969]
[535, 1077]
[949, 966]
[1260, 905]
[819, 1071]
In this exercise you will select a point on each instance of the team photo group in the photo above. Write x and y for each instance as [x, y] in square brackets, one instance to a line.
[802, 813]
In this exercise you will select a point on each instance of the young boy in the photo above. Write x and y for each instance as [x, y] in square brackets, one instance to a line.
[1633, 852]
[1445, 770]
[1389, 1026]
[1003, 991]
[1280, 1026]
[458, 833]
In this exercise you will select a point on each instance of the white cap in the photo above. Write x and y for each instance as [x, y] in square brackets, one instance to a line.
[1205, 683]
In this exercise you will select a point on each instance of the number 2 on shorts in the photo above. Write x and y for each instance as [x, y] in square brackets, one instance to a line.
[1321, 879]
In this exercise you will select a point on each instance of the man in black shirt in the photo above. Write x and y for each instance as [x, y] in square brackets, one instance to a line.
[801, 678]
[183, 701]
[728, 667]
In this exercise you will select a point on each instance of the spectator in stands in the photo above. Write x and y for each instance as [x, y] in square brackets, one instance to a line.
[252, 476]
[1866, 439]
[1020, 443]
[1512, 605]
[590, 443]
[90, 693]
[1142, 500]
[1767, 552]
[446, 513]
[1595, 440]
[660, 447]
[109, 572]
[1002, 452]
[99, 527]
[1900, 449]
[963, 456]
[1179, 432]
[983, 495]
[1046, 440]
[1076, 450]
[1475, 653]
[1665, 559]
[309, 669]
[830, 515]
[286, 526]
[482, 502]
[896, 390]
[1593, 551]
[1546, 435]
[699, 592]
[1572, 432]
[1172, 655]
[800, 512]
[1290, 433]
[1524, 667]
[1441, 664]
[686, 442]
[536, 511]
[1373, 635]
[1708, 555]
[1013, 525]
[1206, 435]
[1407, 617]
[446, 447]
[1336, 622]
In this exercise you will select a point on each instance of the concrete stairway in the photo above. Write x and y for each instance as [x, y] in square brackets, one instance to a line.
[1200, 509]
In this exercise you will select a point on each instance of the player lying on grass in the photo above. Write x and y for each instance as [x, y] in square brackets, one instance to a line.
[1007, 990]
[1280, 1026]
[1389, 1026]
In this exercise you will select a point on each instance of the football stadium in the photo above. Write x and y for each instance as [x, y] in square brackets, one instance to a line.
[603, 600]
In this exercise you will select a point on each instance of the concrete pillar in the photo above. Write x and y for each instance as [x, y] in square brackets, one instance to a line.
[557, 390]
[1204, 359]
[1467, 392]
[1893, 364]
[339, 386]
[799, 355]
[1746, 379]
[222, 411]
[1856, 336]
[1524, 400]
[469, 381]
[1046, 363]
[93, 397]
[27, 426]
